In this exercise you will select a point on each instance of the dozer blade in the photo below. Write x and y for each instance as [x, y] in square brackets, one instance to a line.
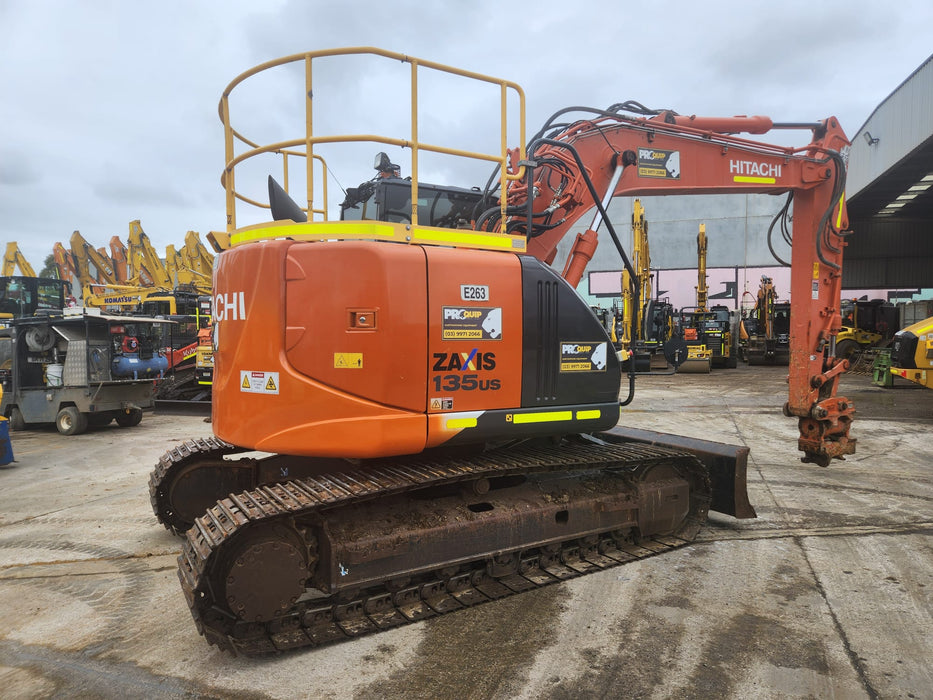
[695, 365]
[727, 464]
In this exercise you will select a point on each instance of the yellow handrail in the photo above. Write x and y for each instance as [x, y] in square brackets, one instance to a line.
[292, 147]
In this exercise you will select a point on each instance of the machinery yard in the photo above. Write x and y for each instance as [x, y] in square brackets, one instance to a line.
[441, 460]
[828, 593]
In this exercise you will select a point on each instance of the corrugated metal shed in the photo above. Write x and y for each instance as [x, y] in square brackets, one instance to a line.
[890, 190]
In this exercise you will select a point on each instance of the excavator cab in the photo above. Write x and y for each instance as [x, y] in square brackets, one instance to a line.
[387, 197]
[25, 296]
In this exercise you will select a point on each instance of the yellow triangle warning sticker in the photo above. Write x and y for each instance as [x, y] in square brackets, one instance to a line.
[245, 384]
[435, 404]
[270, 385]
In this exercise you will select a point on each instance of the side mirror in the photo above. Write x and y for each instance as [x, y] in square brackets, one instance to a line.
[282, 206]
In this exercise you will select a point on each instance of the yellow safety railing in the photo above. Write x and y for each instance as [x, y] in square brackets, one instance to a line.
[304, 147]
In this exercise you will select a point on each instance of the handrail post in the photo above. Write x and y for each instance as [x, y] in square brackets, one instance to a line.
[414, 141]
[503, 180]
[228, 168]
[309, 145]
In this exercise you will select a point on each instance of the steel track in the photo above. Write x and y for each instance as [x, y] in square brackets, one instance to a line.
[312, 622]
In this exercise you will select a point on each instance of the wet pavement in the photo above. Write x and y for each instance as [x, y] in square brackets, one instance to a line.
[828, 593]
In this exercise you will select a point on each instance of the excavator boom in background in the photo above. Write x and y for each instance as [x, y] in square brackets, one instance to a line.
[90, 265]
[13, 258]
[434, 407]
[646, 323]
[144, 262]
[768, 328]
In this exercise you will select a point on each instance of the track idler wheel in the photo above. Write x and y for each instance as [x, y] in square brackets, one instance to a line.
[186, 495]
[664, 503]
[266, 573]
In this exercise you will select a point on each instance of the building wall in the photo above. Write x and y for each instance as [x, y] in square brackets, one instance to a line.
[737, 254]
[736, 233]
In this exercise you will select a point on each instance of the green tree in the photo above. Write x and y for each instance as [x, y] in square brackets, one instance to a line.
[50, 269]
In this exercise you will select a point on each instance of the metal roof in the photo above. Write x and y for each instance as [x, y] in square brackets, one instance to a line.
[892, 244]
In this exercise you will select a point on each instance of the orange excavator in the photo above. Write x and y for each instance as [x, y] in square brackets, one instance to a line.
[413, 412]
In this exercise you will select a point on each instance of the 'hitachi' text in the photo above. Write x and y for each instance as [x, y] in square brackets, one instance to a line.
[750, 167]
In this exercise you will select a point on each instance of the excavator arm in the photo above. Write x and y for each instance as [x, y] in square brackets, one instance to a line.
[702, 288]
[91, 265]
[12, 258]
[118, 255]
[634, 303]
[145, 264]
[197, 257]
[578, 166]
[65, 264]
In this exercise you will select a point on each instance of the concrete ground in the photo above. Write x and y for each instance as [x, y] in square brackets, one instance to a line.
[829, 593]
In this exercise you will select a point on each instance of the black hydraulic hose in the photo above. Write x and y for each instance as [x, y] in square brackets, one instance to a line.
[779, 216]
[539, 229]
[478, 226]
[613, 111]
[631, 383]
[597, 200]
[838, 188]
[529, 200]
[836, 195]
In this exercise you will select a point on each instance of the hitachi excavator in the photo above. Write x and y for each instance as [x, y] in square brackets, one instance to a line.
[413, 412]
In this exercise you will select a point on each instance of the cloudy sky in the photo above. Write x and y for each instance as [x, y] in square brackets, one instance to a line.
[108, 109]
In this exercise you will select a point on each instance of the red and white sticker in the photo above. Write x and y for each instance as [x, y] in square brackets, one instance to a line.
[259, 382]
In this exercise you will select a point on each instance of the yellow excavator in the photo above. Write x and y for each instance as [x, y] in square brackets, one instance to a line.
[706, 331]
[699, 358]
[912, 353]
[866, 323]
[767, 328]
[647, 323]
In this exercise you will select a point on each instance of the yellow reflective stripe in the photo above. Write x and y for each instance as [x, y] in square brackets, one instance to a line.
[376, 230]
[842, 199]
[473, 238]
[317, 231]
[588, 415]
[460, 423]
[549, 417]
[755, 180]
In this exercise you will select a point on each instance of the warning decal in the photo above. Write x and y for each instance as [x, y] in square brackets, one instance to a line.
[654, 162]
[463, 323]
[445, 404]
[348, 360]
[259, 382]
[582, 357]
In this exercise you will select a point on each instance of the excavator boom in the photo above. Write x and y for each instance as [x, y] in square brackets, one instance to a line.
[12, 258]
[613, 155]
[144, 263]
